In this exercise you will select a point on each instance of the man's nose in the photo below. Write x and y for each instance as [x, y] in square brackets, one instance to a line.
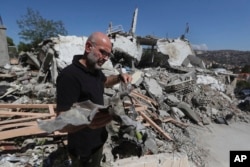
[105, 57]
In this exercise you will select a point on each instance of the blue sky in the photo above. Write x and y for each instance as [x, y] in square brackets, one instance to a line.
[215, 24]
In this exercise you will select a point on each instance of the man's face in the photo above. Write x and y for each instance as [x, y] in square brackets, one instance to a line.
[92, 61]
[98, 56]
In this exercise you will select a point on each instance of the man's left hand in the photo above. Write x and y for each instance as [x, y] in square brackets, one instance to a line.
[126, 78]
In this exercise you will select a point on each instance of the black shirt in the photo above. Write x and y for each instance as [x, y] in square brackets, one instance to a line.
[76, 83]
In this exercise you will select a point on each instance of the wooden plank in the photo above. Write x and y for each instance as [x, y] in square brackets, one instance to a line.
[145, 98]
[150, 121]
[23, 119]
[27, 125]
[10, 113]
[139, 108]
[17, 125]
[29, 115]
[51, 109]
[155, 126]
[26, 105]
[26, 131]
[129, 103]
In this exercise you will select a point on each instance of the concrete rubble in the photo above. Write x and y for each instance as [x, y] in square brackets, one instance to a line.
[155, 117]
[168, 104]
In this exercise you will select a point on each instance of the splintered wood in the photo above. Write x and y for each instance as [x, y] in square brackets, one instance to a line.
[20, 123]
[16, 121]
[142, 104]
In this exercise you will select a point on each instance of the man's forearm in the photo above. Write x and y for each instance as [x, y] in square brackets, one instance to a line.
[112, 80]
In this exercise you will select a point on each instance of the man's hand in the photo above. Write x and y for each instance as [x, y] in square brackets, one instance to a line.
[115, 79]
[126, 78]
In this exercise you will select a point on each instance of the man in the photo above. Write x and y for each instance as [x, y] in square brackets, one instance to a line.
[83, 80]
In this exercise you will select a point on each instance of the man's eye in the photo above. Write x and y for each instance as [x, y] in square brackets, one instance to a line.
[103, 52]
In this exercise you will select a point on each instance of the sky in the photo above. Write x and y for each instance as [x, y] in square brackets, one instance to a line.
[213, 24]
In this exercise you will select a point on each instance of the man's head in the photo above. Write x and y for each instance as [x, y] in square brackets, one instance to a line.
[97, 50]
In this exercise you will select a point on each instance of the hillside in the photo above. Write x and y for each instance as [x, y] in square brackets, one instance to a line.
[227, 57]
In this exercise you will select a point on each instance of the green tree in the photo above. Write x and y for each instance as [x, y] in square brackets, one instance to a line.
[246, 69]
[35, 28]
[10, 41]
[24, 47]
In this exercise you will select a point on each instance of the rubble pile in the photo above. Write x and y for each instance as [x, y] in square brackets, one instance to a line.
[170, 103]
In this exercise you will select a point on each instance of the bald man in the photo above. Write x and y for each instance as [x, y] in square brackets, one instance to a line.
[80, 81]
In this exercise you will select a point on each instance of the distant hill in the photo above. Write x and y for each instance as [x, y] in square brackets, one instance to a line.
[226, 57]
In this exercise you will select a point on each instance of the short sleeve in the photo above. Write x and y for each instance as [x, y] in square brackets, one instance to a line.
[67, 88]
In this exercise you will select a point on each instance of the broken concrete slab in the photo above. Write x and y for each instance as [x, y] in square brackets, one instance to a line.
[4, 56]
[46, 63]
[128, 46]
[137, 78]
[153, 87]
[189, 112]
[176, 49]
[68, 46]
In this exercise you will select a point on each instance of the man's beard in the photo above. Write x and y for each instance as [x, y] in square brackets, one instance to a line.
[92, 61]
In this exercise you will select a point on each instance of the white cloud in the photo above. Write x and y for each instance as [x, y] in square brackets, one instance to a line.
[199, 46]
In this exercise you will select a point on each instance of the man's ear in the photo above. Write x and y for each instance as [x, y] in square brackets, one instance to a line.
[88, 46]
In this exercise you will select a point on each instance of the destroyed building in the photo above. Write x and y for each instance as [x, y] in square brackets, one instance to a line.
[158, 114]
[4, 56]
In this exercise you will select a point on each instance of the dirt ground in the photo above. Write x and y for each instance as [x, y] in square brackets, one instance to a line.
[219, 139]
